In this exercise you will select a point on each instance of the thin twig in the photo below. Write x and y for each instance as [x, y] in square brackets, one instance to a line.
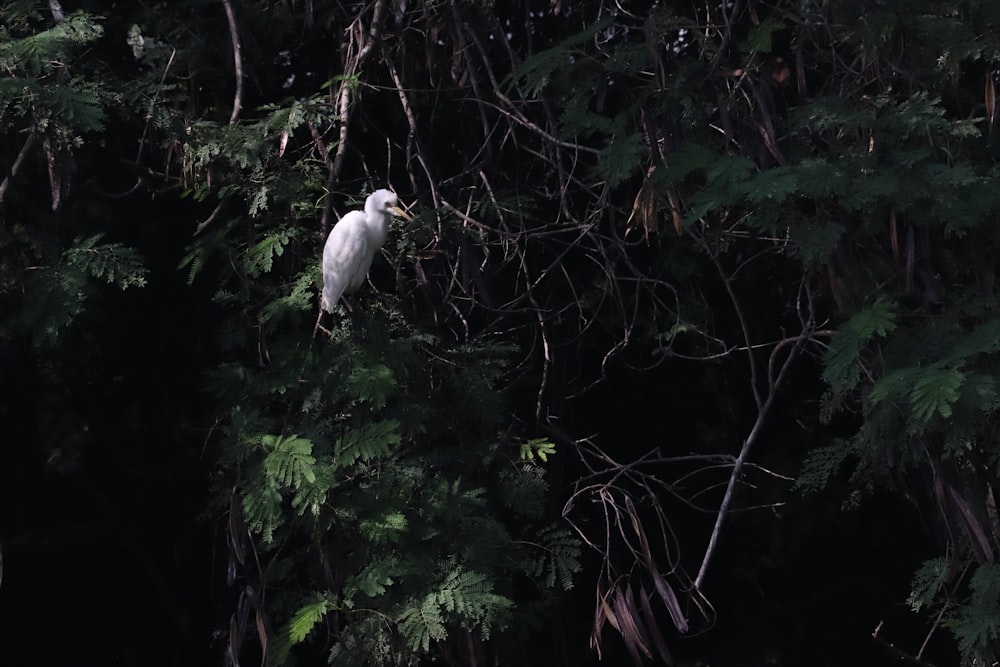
[762, 413]
[152, 106]
[234, 36]
[345, 99]
[207, 221]
[18, 161]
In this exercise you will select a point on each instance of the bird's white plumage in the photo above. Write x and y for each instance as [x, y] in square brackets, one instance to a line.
[352, 245]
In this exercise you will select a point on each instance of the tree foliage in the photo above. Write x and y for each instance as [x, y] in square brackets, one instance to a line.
[763, 192]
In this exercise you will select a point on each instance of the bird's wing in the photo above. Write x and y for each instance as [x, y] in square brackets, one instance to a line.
[343, 258]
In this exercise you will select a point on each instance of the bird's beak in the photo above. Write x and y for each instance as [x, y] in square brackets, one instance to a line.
[398, 211]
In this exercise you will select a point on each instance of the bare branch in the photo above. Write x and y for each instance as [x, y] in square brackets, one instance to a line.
[234, 37]
[763, 412]
[18, 162]
[355, 54]
[208, 221]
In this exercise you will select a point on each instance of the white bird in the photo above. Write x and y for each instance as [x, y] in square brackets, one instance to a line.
[352, 245]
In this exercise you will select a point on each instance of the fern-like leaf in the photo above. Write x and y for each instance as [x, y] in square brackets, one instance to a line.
[975, 624]
[262, 510]
[259, 258]
[422, 622]
[290, 461]
[366, 442]
[372, 384]
[821, 464]
[558, 559]
[308, 615]
[927, 582]
[376, 576]
[934, 392]
[114, 263]
[841, 371]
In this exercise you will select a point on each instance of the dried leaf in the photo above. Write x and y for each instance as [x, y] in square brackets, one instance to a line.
[610, 614]
[675, 211]
[262, 636]
[980, 542]
[635, 621]
[670, 602]
[55, 182]
[991, 512]
[894, 237]
[602, 614]
[652, 627]
[237, 528]
[629, 632]
[991, 98]
[644, 208]
[911, 251]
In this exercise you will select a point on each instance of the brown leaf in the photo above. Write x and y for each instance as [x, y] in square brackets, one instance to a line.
[652, 627]
[911, 251]
[980, 542]
[991, 512]
[283, 142]
[800, 72]
[894, 237]
[670, 602]
[610, 614]
[834, 280]
[602, 614]
[630, 631]
[237, 528]
[55, 182]
[675, 211]
[991, 98]
[262, 636]
[644, 208]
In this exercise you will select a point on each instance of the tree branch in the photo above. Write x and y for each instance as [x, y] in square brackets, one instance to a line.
[234, 36]
[18, 161]
[345, 100]
[763, 410]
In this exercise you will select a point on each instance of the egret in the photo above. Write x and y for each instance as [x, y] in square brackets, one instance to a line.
[352, 245]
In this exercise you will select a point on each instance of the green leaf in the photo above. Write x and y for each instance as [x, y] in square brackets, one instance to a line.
[774, 184]
[934, 392]
[308, 615]
[821, 465]
[537, 70]
[975, 624]
[760, 37]
[927, 582]
[259, 259]
[537, 447]
[841, 361]
[372, 384]
[388, 528]
[619, 159]
[366, 442]
[114, 263]
[290, 462]
[815, 240]
[262, 509]
[421, 623]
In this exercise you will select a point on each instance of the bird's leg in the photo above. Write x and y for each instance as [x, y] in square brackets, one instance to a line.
[320, 327]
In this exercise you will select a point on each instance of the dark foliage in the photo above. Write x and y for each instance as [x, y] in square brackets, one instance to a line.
[691, 336]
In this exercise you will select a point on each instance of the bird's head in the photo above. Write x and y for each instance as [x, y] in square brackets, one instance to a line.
[385, 201]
